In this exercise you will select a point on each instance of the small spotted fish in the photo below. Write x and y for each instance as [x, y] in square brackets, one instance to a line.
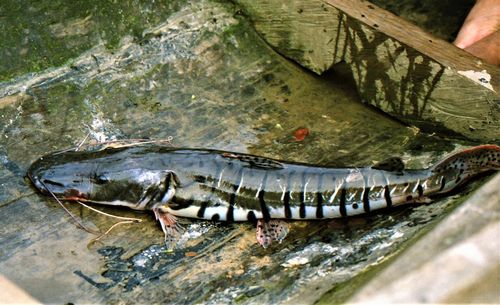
[227, 186]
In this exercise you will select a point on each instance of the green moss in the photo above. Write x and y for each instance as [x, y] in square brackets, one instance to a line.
[37, 35]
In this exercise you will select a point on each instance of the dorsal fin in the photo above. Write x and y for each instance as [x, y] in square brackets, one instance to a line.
[255, 161]
[393, 164]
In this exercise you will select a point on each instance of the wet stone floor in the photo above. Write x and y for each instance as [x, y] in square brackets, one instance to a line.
[199, 75]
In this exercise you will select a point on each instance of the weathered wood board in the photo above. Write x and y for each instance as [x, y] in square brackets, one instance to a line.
[206, 79]
[202, 76]
[397, 67]
[466, 240]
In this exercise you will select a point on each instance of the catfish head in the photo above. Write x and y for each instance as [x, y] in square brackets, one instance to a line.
[110, 177]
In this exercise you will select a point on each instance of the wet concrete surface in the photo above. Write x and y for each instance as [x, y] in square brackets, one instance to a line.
[202, 77]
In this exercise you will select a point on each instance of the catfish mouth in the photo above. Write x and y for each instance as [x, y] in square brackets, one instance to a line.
[57, 189]
[38, 184]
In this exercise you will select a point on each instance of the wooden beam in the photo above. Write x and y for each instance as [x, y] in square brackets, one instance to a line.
[397, 67]
[413, 275]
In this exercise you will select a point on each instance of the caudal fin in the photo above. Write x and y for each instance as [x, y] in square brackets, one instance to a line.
[472, 161]
[463, 166]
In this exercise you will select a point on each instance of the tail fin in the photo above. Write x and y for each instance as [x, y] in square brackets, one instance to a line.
[471, 161]
[462, 166]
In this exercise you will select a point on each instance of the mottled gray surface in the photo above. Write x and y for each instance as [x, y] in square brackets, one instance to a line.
[203, 77]
[457, 262]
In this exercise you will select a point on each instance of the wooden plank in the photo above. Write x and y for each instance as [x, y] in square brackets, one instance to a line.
[397, 67]
[413, 275]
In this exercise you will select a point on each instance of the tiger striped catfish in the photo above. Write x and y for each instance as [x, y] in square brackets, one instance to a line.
[226, 186]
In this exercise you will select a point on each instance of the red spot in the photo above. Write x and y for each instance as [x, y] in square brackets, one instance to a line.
[300, 134]
[190, 254]
[75, 195]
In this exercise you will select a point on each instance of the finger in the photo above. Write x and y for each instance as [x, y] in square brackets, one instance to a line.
[487, 48]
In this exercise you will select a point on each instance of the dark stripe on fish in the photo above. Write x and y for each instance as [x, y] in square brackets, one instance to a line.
[319, 198]
[302, 195]
[230, 213]
[201, 211]
[319, 207]
[366, 200]
[251, 217]
[387, 196]
[286, 198]
[342, 208]
[420, 190]
[443, 184]
[180, 203]
[232, 197]
[286, 202]
[213, 188]
[302, 207]
[263, 208]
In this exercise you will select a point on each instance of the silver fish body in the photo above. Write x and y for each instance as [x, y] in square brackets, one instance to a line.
[226, 186]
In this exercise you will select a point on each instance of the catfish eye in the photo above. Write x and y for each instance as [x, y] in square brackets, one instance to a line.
[100, 179]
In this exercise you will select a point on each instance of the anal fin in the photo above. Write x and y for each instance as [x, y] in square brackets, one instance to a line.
[273, 230]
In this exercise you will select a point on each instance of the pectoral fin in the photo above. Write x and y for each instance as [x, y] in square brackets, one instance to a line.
[173, 231]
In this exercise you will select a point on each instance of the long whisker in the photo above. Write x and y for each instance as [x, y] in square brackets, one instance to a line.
[82, 142]
[135, 142]
[124, 220]
[112, 227]
[119, 143]
[80, 224]
[110, 215]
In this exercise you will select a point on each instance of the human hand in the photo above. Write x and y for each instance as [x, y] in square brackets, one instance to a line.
[480, 33]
